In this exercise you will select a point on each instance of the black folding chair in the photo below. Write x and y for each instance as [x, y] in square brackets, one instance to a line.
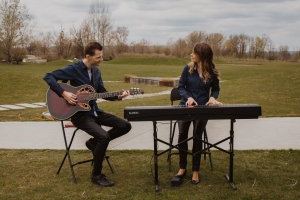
[68, 147]
[175, 96]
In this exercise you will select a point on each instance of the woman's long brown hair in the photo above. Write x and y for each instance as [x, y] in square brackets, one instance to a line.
[205, 54]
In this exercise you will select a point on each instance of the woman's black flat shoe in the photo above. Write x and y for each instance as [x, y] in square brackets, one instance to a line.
[177, 180]
[194, 182]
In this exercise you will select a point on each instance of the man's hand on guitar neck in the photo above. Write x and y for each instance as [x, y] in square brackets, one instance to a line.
[70, 97]
[125, 93]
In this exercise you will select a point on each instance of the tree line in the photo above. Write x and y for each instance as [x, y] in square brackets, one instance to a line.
[17, 39]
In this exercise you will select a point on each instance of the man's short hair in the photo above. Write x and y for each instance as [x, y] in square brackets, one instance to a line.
[91, 47]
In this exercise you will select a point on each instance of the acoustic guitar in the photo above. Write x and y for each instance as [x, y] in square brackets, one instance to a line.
[60, 109]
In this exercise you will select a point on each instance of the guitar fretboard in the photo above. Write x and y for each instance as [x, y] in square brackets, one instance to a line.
[103, 95]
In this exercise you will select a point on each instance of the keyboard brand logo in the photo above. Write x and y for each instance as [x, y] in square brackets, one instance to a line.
[134, 113]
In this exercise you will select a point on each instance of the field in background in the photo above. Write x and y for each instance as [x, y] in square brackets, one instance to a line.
[273, 85]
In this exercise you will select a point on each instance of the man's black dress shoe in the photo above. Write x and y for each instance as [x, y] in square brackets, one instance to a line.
[177, 180]
[101, 180]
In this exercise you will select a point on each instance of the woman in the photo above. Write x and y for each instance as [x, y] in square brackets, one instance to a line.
[198, 85]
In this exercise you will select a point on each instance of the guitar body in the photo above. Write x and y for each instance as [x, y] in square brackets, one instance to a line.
[60, 109]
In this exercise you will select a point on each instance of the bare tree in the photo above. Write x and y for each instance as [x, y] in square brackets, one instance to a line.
[105, 23]
[270, 49]
[110, 49]
[243, 45]
[14, 31]
[295, 56]
[236, 45]
[18, 55]
[131, 47]
[180, 49]
[33, 44]
[257, 47]
[196, 37]
[170, 45]
[81, 37]
[32, 47]
[98, 22]
[158, 49]
[142, 46]
[45, 43]
[78, 39]
[62, 45]
[120, 38]
[166, 51]
[192, 39]
[283, 52]
[216, 42]
[231, 46]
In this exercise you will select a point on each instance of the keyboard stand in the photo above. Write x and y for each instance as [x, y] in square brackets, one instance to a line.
[229, 176]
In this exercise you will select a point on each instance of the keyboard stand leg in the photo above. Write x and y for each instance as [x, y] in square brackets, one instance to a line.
[230, 176]
[155, 155]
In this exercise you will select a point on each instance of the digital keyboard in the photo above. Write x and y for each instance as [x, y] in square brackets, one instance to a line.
[159, 113]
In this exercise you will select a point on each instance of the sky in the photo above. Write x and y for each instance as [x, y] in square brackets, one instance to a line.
[159, 21]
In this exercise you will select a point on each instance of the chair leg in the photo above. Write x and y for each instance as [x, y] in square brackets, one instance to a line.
[67, 151]
[62, 163]
[107, 159]
[67, 154]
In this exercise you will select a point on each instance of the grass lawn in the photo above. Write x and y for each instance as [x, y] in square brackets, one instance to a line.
[273, 85]
[258, 174]
[31, 174]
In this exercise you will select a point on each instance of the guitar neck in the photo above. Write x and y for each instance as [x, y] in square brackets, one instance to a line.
[103, 95]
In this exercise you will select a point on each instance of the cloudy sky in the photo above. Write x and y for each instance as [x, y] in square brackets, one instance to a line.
[159, 20]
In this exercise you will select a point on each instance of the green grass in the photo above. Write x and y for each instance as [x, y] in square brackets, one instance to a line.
[31, 174]
[273, 85]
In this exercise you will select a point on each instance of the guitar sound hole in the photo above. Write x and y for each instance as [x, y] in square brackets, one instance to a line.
[87, 90]
[84, 105]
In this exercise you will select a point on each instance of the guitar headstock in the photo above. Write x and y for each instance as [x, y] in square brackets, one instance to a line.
[134, 91]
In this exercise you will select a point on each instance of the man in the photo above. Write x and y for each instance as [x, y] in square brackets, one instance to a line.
[86, 72]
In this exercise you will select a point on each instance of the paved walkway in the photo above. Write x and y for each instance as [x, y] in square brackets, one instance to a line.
[262, 133]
